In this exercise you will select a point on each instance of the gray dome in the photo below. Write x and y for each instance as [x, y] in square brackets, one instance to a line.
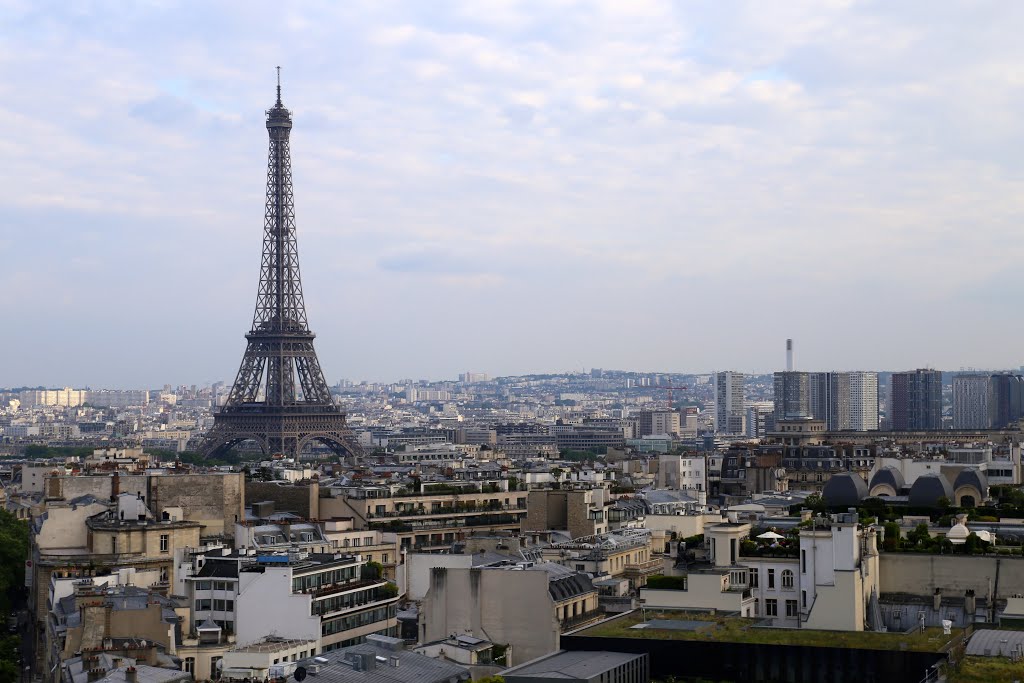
[928, 488]
[971, 476]
[890, 476]
[846, 489]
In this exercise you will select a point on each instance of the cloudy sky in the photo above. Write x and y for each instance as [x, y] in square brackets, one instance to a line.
[511, 187]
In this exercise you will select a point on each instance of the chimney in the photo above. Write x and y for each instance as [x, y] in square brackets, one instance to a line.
[115, 486]
[131, 675]
[970, 605]
[937, 599]
[789, 355]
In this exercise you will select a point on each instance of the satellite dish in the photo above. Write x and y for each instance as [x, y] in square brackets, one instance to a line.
[300, 673]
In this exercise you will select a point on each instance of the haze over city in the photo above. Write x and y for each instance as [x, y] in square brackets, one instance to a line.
[514, 187]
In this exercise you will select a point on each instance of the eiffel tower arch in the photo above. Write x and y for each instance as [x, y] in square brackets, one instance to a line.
[280, 398]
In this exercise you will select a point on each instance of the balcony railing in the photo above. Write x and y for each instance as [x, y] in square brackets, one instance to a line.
[446, 511]
[585, 617]
[648, 567]
[501, 519]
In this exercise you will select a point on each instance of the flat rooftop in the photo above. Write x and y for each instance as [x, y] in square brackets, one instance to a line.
[683, 625]
[273, 645]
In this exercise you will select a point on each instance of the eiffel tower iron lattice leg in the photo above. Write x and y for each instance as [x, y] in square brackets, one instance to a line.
[280, 398]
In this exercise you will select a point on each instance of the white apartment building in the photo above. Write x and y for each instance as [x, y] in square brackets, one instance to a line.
[863, 401]
[832, 583]
[730, 404]
[682, 473]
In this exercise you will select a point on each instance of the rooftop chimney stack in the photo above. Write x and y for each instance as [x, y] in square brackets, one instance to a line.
[789, 355]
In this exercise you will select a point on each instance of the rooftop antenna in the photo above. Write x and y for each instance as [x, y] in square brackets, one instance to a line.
[279, 85]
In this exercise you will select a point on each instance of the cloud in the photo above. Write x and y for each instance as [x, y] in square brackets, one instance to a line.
[595, 163]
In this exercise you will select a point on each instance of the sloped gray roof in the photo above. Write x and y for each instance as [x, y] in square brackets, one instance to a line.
[572, 666]
[992, 643]
[412, 667]
[928, 489]
[891, 476]
[846, 488]
[972, 476]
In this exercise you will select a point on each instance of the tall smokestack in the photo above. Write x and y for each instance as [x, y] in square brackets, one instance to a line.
[789, 355]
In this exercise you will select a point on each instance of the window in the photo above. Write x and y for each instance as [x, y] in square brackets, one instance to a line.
[203, 605]
[581, 568]
[754, 573]
[384, 558]
[791, 608]
[220, 586]
[803, 561]
[165, 542]
[190, 666]
[787, 579]
[771, 607]
[356, 542]
[771, 578]
[224, 605]
[368, 540]
[203, 585]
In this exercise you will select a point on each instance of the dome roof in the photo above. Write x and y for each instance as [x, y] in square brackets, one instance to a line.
[847, 489]
[958, 532]
[972, 476]
[928, 488]
[891, 476]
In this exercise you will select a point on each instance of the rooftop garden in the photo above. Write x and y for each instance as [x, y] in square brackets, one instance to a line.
[985, 670]
[740, 630]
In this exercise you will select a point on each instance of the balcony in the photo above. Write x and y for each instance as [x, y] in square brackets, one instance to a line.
[500, 519]
[445, 511]
[643, 568]
[341, 587]
[580, 619]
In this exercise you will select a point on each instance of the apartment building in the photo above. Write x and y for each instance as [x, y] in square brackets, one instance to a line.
[730, 403]
[830, 582]
[578, 511]
[625, 553]
[329, 599]
[526, 606]
[432, 518]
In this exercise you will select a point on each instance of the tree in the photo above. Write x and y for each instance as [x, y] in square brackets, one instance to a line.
[815, 502]
[491, 679]
[13, 553]
[920, 536]
[892, 536]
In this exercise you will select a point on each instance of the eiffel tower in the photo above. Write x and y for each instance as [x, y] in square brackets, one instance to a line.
[280, 398]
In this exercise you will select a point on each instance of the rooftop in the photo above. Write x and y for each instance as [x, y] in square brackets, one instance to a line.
[271, 644]
[638, 624]
[570, 665]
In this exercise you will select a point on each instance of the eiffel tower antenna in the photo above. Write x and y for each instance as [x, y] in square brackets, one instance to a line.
[280, 398]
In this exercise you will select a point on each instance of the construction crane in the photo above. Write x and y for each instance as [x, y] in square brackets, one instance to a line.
[669, 389]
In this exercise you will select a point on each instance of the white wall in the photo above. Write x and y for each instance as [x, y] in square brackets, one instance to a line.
[418, 566]
[266, 606]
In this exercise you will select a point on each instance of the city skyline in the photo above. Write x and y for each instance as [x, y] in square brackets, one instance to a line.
[456, 170]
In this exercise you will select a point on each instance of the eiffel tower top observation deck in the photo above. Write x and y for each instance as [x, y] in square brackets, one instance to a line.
[280, 398]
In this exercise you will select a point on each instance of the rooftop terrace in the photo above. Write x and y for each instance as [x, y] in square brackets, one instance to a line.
[684, 625]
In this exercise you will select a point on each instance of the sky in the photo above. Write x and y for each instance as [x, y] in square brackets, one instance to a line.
[513, 187]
